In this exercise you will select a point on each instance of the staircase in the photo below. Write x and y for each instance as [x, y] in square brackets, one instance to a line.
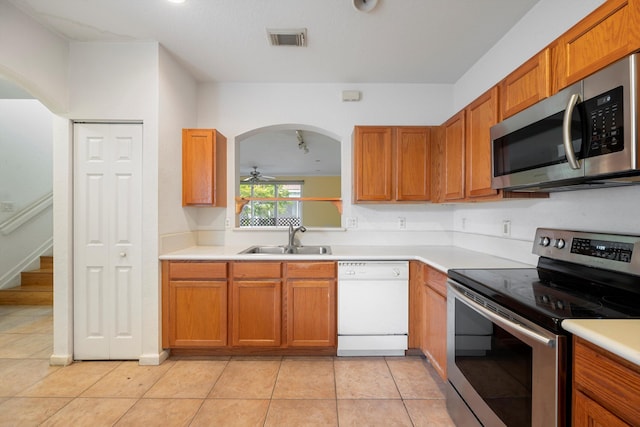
[36, 286]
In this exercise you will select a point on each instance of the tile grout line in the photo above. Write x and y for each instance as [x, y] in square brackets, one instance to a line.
[402, 399]
[266, 415]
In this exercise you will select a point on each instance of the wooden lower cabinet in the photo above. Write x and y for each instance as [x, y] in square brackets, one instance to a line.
[311, 304]
[606, 388]
[246, 307]
[194, 304]
[256, 313]
[588, 413]
[199, 310]
[434, 344]
[417, 313]
[256, 304]
[311, 313]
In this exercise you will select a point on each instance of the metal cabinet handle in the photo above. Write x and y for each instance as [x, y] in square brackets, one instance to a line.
[123, 254]
[566, 132]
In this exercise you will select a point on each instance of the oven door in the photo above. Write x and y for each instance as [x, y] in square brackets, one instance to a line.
[506, 370]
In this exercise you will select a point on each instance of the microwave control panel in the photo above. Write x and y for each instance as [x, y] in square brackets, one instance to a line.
[605, 121]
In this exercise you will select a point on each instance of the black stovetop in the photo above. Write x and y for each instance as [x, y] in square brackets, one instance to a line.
[548, 297]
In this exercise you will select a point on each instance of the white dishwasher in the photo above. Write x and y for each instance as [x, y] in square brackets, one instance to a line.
[373, 308]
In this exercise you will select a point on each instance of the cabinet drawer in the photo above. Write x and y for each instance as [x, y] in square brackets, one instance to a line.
[609, 380]
[311, 270]
[197, 270]
[257, 270]
[436, 280]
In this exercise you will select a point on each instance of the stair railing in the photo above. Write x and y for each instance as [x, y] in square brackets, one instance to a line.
[24, 215]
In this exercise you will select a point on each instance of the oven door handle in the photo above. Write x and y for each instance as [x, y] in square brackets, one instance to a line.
[502, 322]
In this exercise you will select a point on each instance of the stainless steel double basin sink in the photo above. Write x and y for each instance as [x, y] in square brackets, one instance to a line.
[286, 250]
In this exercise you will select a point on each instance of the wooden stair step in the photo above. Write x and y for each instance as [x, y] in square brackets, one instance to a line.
[41, 277]
[46, 262]
[30, 295]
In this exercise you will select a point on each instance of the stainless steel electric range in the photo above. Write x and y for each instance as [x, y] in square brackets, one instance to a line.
[508, 357]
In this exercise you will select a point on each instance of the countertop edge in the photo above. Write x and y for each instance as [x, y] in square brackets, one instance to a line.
[441, 258]
[618, 336]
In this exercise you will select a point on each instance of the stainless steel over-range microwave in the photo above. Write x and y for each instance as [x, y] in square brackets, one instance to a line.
[585, 136]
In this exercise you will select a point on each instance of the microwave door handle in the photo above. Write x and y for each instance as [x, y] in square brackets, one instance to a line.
[566, 132]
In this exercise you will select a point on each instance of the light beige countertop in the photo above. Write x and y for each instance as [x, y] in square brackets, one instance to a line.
[619, 336]
[441, 258]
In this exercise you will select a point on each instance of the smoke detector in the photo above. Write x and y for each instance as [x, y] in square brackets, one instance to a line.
[287, 37]
[364, 5]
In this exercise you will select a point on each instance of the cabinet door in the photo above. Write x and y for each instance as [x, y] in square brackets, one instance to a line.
[435, 324]
[587, 413]
[413, 164]
[528, 84]
[372, 153]
[416, 304]
[435, 345]
[197, 313]
[480, 116]
[606, 35]
[311, 313]
[256, 313]
[453, 162]
[204, 168]
[612, 382]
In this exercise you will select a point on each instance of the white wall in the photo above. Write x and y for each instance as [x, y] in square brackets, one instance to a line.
[237, 108]
[26, 143]
[547, 20]
[33, 57]
[177, 110]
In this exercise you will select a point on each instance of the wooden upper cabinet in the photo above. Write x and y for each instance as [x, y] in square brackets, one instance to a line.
[453, 158]
[204, 168]
[372, 155]
[481, 114]
[413, 164]
[392, 164]
[530, 83]
[604, 36]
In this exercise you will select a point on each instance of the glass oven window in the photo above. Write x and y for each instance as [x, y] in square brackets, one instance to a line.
[496, 364]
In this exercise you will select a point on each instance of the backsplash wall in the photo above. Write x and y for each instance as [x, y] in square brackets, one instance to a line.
[479, 226]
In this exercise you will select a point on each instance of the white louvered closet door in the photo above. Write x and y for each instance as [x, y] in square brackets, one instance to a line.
[107, 286]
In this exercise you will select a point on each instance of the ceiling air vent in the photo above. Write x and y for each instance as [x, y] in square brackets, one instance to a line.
[296, 37]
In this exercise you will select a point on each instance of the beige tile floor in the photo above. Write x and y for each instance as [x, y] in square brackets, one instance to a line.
[230, 391]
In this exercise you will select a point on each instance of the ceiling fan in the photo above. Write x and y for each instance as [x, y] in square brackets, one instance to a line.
[256, 176]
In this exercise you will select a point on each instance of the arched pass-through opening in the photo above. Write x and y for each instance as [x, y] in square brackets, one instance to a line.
[302, 160]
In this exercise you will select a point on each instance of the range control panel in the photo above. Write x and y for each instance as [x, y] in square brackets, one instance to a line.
[617, 252]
